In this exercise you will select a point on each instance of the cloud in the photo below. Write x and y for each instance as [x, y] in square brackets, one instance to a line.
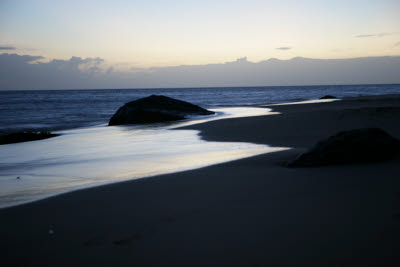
[284, 48]
[27, 72]
[365, 35]
[239, 60]
[5, 47]
[382, 34]
[14, 59]
[397, 44]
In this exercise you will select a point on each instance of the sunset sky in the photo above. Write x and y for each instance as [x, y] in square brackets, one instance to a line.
[152, 33]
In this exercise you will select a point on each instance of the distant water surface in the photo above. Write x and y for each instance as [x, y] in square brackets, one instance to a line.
[67, 109]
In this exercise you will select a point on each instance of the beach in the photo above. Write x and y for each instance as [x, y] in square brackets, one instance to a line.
[252, 211]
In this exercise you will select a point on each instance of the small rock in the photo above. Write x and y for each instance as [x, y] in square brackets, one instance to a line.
[19, 137]
[328, 97]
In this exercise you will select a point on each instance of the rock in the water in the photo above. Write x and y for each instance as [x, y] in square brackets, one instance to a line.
[354, 146]
[155, 108]
[328, 97]
[24, 137]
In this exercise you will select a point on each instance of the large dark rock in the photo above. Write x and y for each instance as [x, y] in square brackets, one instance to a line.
[155, 108]
[354, 146]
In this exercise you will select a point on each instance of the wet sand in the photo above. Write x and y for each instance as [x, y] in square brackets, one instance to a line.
[251, 211]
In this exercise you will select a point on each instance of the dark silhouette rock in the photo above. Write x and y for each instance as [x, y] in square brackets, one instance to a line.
[155, 108]
[328, 97]
[24, 137]
[354, 146]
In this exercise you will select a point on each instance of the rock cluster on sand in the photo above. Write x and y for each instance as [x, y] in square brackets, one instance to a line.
[24, 137]
[354, 146]
[155, 108]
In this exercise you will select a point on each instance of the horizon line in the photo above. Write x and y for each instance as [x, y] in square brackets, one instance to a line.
[206, 87]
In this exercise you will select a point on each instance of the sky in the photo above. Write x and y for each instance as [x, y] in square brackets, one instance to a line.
[156, 33]
[131, 36]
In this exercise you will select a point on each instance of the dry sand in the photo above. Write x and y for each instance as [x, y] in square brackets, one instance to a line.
[251, 211]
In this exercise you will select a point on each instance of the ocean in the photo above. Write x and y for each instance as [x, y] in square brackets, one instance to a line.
[88, 153]
[67, 109]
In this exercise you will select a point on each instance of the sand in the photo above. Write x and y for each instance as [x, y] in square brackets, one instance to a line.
[251, 211]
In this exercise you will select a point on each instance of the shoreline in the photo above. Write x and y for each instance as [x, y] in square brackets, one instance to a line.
[339, 116]
[51, 172]
[248, 211]
[221, 114]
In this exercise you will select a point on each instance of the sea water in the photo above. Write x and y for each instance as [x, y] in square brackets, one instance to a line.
[67, 109]
[88, 153]
[97, 155]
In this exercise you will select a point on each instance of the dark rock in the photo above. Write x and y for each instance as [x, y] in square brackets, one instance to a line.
[328, 97]
[155, 108]
[24, 137]
[354, 146]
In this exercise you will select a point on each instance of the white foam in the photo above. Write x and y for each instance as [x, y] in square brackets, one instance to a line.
[98, 155]
[314, 101]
